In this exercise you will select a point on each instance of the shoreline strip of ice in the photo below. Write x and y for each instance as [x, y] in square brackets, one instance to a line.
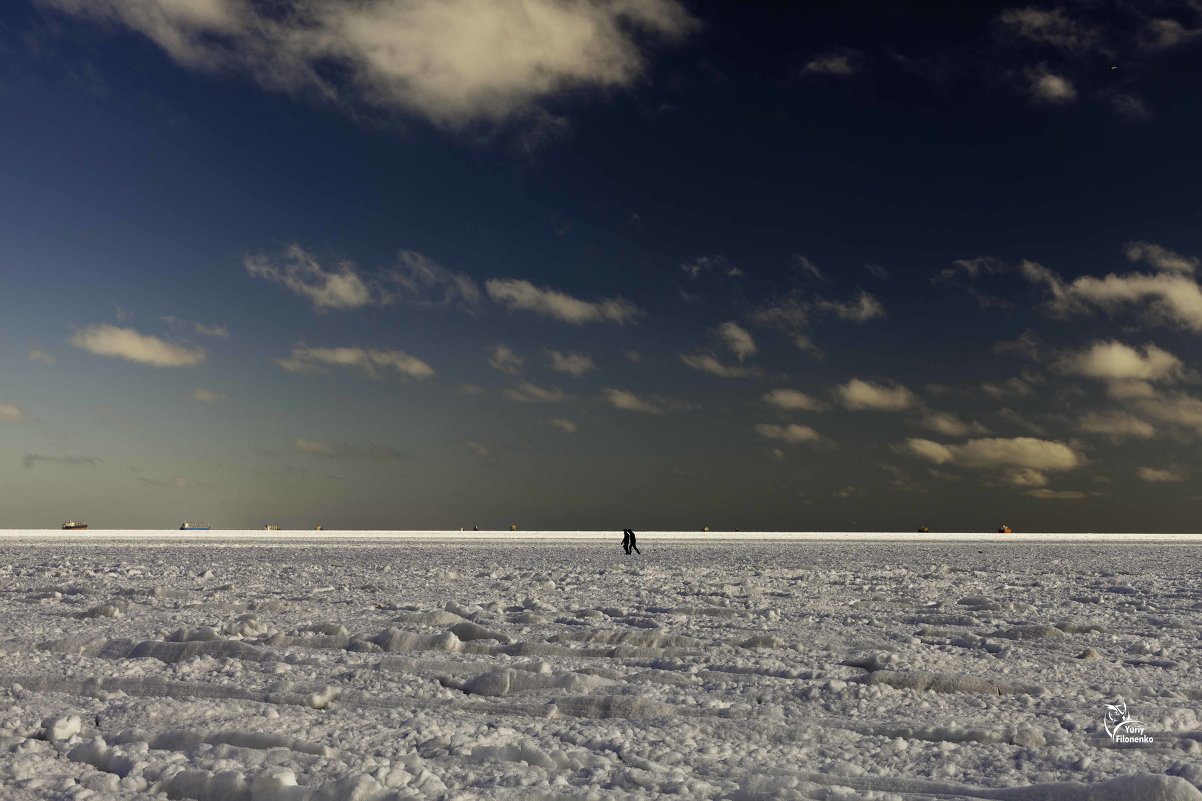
[306, 537]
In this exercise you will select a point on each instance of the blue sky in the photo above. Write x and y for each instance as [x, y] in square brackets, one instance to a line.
[404, 264]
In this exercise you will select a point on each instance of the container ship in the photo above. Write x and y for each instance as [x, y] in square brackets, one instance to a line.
[272, 527]
[186, 526]
[75, 525]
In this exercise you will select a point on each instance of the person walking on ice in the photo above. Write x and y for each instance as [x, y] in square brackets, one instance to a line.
[631, 542]
[626, 540]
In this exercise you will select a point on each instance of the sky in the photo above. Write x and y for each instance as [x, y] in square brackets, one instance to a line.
[591, 264]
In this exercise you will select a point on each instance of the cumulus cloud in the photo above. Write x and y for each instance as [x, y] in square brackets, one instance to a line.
[128, 344]
[1117, 425]
[1160, 257]
[526, 392]
[519, 295]
[453, 62]
[1174, 409]
[371, 362]
[1154, 475]
[708, 364]
[571, 363]
[11, 413]
[1169, 296]
[501, 357]
[422, 281]
[338, 287]
[1023, 461]
[792, 434]
[566, 426]
[1047, 87]
[864, 308]
[40, 356]
[793, 400]
[858, 394]
[950, 426]
[630, 402]
[206, 395]
[1114, 361]
[737, 340]
[33, 459]
[345, 451]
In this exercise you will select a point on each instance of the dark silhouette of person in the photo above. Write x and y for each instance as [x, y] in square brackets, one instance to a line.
[626, 540]
[633, 543]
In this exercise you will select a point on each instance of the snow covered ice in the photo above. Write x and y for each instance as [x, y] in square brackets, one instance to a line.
[357, 670]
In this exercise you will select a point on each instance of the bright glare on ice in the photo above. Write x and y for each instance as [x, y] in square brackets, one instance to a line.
[522, 669]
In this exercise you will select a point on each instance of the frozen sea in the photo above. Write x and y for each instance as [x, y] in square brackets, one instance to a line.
[365, 666]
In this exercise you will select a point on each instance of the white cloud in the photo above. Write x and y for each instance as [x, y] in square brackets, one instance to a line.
[453, 62]
[864, 308]
[806, 345]
[628, 401]
[1160, 257]
[1170, 296]
[1114, 361]
[1010, 388]
[840, 63]
[950, 426]
[710, 264]
[501, 357]
[520, 295]
[571, 363]
[370, 361]
[792, 434]
[422, 281]
[128, 344]
[737, 340]
[1047, 87]
[11, 413]
[346, 451]
[1119, 425]
[858, 394]
[526, 392]
[1026, 477]
[1052, 27]
[793, 400]
[206, 395]
[1176, 409]
[708, 364]
[218, 331]
[40, 356]
[992, 453]
[339, 287]
[566, 426]
[787, 311]
[1155, 475]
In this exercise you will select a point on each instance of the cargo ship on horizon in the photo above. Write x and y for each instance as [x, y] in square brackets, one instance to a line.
[75, 525]
[186, 526]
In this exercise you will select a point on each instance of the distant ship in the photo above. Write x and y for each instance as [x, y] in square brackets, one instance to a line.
[271, 527]
[186, 526]
[75, 525]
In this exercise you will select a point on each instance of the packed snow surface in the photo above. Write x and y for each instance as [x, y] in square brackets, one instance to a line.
[367, 667]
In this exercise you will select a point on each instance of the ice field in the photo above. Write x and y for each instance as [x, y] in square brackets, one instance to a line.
[273, 666]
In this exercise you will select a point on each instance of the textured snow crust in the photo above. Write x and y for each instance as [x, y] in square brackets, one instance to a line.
[745, 671]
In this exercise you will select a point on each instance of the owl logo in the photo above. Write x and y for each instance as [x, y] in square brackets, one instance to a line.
[1116, 718]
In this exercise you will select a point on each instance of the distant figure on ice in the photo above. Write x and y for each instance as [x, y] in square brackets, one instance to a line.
[626, 540]
[633, 546]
